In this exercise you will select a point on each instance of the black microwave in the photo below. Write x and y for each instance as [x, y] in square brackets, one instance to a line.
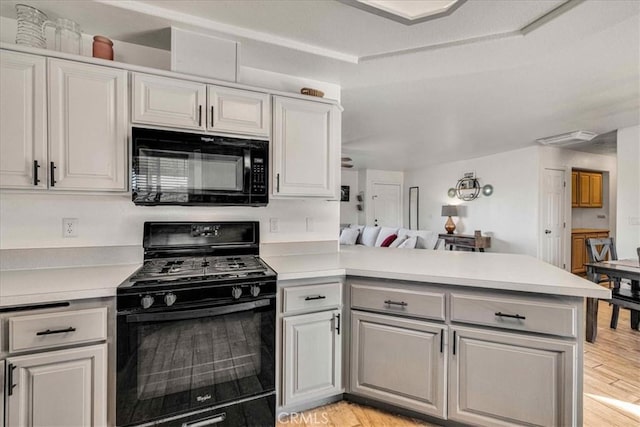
[178, 168]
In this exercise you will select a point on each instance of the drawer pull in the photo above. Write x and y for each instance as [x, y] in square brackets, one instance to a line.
[513, 316]
[56, 331]
[337, 317]
[401, 303]
[314, 298]
[10, 383]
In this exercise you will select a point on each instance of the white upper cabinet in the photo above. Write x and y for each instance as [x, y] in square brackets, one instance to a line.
[23, 121]
[305, 149]
[238, 111]
[170, 102]
[87, 127]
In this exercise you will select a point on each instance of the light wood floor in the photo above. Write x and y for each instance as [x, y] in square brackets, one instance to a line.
[611, 386]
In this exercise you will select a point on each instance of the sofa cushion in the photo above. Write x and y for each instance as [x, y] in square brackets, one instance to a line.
[389, 240]
[426, 239]
[398, 241]
[384, 233]
[349, 236]
[360, 230]
[410, 243]
[370, 235]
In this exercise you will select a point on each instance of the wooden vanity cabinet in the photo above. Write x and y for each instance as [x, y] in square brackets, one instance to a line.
[579, 248]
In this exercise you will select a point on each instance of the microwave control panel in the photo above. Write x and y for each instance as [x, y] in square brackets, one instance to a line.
[259, 182]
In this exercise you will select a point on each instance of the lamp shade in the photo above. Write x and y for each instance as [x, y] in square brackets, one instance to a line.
[449, 210]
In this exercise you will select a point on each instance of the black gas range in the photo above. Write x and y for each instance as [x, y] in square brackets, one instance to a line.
[196, 329]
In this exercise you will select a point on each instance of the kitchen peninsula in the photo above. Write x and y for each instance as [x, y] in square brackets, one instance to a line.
[478, 338]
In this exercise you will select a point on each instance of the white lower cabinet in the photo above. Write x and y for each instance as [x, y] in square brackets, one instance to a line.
[312, 356]
[399, 361]
[58, 388]
[505, 379]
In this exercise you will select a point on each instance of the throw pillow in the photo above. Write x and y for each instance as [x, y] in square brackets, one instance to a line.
[384, 233]
[389, 240]
[349, 236]
[360, 229]
[398, 241]
[369, 235]
[410, 243]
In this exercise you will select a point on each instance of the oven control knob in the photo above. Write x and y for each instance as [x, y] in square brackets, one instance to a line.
[146, 301]
[170, 298]
[236, 292]
[255, 290]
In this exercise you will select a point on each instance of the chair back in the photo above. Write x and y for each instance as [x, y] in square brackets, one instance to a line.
[599, 249]
[638, 249]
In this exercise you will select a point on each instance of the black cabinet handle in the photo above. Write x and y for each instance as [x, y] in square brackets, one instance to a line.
[53, 175]
[278, 183]
[199, 115]
[512, 316]
[454, 342]
[442, 341]
[212, 116]
[36, 166]
[56, 331]
[10, 383]
[338, 324]
[314, 298]
[401, 303]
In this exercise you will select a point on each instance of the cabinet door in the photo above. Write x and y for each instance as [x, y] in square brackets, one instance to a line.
[312, 358]
[584, 184]
[168, 102]
[58, 388]
[595, 190]
[88, 127]
[306, 149]
[240, 111]
[505, 379]
[399, 361]
[574, 189]
[578, 253]
[23, 121]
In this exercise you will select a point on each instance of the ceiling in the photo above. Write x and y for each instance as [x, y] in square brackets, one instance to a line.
[491, 76]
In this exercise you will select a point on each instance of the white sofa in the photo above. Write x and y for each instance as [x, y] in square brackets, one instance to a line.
[370, 235]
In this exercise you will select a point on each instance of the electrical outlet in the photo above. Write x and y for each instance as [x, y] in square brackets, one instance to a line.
[69, 227]
[309, 224]
[274, 225]
[634, 220]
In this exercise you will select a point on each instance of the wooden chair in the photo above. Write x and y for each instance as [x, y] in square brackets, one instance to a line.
[599, 250]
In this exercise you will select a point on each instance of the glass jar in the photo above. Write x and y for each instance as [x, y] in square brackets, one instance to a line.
[31, 24]
[68, 36]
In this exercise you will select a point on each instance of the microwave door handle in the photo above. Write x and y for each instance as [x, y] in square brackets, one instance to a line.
[198, 313]
[247, 171]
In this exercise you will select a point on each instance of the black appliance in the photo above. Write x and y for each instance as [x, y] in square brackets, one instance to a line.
[196, 329]
[177, 168]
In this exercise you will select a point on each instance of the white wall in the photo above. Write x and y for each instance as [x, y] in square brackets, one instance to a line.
[628, 216]
[366, 179]
[509, 216]
[35, 220]
[348, 210]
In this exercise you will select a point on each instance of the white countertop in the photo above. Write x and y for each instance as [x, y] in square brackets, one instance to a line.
[19, 287]
[511, 272]
[480, 270]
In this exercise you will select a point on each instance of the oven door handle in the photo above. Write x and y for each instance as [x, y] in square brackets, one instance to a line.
[197, 313]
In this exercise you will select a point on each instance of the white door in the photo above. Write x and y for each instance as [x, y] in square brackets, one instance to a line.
[502, 379]
[552, 221]
[306, 149]
[164, 101]
[312, 357]
[23, 121]
[236, 110]
[87, 127]
[387, 205]
[58, 388]
[399, 361]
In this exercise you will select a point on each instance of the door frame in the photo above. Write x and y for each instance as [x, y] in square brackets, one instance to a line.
[566, 205]
[371, 214]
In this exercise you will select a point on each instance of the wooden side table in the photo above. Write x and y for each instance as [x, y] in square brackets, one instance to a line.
[465, 241]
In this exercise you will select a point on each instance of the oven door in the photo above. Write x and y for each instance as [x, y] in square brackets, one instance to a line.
[180, 361]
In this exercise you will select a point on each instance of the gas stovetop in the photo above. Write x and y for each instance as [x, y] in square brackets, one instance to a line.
[205, 267]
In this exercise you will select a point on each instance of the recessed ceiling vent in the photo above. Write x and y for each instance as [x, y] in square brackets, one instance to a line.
[569, 138]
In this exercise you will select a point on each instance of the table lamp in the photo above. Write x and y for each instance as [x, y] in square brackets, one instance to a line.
[450, 210]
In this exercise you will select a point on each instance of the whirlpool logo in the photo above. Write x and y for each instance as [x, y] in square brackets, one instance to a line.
[203, 398]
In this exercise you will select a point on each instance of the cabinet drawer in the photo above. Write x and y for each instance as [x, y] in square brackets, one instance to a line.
[47, 330]
[398, 301]
[300, 298]
[512, 313]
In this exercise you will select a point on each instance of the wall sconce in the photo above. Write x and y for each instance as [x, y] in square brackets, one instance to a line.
[468, 188]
